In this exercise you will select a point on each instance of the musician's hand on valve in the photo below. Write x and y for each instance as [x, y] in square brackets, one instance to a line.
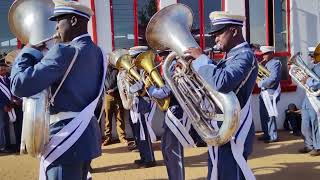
[194, 52]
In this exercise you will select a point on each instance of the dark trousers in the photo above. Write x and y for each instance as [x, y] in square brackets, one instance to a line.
[145, 146]
[67, 171]
[268, 124]
[173, 155]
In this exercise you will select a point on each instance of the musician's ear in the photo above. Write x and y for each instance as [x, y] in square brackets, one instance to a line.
[235, 30]
[74, 20]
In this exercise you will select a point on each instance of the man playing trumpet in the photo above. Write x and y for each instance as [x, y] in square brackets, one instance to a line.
[270, 94]
[74, 131]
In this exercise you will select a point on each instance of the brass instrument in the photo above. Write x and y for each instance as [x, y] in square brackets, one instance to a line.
[170, 28]
[152, 77]
[300, 71]
[28, 21]
[121, 59]
[127, 75]
[262, 73]
[316, 54]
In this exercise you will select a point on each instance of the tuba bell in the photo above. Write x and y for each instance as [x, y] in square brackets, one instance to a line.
[170, 28]
[127, 75]
[151, 76]
[28, 21]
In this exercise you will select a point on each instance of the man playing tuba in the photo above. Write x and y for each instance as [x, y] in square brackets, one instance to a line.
[237, 72]
[270, 95]
[142, 112]
[176, 135]
[310, 113]
[74, 130]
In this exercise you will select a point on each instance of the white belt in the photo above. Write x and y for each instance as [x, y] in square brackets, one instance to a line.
[62, 115]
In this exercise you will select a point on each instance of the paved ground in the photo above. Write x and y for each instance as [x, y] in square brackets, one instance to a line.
[276, 161]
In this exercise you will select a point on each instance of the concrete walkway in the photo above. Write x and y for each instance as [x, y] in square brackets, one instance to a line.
[276, 161]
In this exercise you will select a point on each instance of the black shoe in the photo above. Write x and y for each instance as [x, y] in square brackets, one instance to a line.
[138, 162]
[297, 133]
[6, 151]
[271, 141]
[304, 150]
[148, 164]
[263, 138]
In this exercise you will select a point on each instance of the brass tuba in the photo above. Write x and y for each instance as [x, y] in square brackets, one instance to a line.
[127, 75]
[299, 71]
[170, 28]
[151, 76]
[28, 21]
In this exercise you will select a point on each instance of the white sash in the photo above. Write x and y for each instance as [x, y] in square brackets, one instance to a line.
[149, 118]
[179, 130]
[237, 144]
[134, 111]
[6, 91]
[271, 106]
[68, 134]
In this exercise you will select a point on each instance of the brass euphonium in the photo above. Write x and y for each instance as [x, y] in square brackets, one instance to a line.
[28, 21]
[300, 71]
[262, 73]
[170, 28]
[121, 59]
[151, 77]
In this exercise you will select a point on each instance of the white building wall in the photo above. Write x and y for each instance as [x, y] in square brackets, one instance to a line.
[304, 28]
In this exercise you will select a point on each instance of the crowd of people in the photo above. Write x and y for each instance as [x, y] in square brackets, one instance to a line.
[75, 104]
[10, 113]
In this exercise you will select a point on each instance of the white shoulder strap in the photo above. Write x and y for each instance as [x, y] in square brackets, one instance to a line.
[65, 76]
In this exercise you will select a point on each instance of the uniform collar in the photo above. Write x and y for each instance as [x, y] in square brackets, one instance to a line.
[238, 46]
[81, 36]
[235, 49]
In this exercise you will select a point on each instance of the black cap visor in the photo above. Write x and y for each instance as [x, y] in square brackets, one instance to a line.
[216, 28]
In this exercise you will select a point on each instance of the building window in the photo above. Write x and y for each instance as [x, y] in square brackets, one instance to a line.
[123, 23]
[268, 25]
[146, 9]
[201, 22]
[129, 21]
[8, 42]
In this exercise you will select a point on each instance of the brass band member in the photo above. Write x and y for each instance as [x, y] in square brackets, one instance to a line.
[270, 94]
[310, 115]
[76, 100]
[237, 72]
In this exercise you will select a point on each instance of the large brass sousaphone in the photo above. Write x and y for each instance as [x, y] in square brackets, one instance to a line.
[170, 28]
[28, 20]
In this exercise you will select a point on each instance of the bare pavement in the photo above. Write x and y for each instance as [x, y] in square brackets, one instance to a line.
[275, 161]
